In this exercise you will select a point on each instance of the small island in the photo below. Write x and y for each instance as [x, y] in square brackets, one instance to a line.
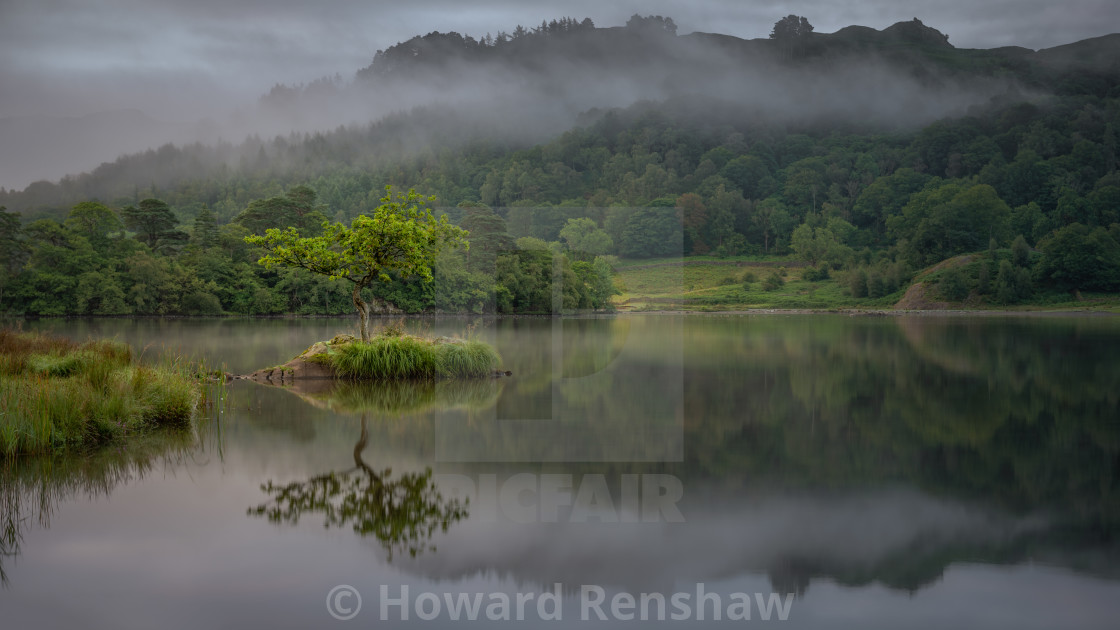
[401, 236]
[391, 355]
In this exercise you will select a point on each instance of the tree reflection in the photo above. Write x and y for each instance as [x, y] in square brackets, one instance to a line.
[33, 488]
[403, 513]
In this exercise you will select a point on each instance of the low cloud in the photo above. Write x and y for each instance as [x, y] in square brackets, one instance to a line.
[182, 61]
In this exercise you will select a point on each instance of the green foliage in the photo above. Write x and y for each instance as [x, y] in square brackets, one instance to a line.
[857, 283]
[487, 234]
[815, 274]
[876, 288]
[95, 221]
[984, 278]
[1020, 252]
[205, 233]
[583, 236]
[773, 282]
[203, 303]
[652, 232]
[401, 236]
[532, 243]
[814, 245]
[1013, 283]
[598, 279]
[525, 282]
[297, 209]
[154, 224]
[1077, 257]
[947, 218]
[953, 286]
[884, 198]
[750, 175]
[12, 249]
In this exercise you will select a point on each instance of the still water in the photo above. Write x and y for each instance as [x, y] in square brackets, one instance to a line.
[807, 471]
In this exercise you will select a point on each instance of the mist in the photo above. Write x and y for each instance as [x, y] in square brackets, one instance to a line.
[132, 76]
[538, 97]
[517, 100]
[847, 534]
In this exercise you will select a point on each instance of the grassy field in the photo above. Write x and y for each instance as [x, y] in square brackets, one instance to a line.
[715, 284]
[56, 394]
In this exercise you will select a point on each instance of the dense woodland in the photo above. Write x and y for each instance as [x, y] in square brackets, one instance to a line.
[162, 232]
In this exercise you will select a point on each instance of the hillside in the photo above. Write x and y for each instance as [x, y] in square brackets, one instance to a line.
[858, 154]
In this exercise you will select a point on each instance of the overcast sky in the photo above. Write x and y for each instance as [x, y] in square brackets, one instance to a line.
[179, 59]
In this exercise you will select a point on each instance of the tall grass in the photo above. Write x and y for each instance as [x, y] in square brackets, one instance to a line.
[57, 394]
[399, 357]
[466, 359]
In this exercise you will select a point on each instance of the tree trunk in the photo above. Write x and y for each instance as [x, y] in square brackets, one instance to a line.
[363, 312]
[363, 440]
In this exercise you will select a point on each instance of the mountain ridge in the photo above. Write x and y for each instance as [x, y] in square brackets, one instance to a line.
[905, 74]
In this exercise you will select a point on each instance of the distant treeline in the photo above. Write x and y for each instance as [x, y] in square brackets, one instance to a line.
[137, 261]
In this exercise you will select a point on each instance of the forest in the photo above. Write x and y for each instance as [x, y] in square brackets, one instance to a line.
[1031, 172]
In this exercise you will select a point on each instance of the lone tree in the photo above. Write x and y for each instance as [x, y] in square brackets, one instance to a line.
[791, 27]
[791, 32]
[401, 235]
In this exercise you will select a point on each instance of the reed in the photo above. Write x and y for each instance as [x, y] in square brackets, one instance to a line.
[466, 359]
[57, 394]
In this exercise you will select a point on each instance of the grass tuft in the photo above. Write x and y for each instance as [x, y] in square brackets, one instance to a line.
[400, 357]
[465, 359]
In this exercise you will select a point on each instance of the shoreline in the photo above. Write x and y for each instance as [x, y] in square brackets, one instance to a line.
[883, 312]
[850, 312]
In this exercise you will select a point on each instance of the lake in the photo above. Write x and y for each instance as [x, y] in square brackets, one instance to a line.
[802, 470]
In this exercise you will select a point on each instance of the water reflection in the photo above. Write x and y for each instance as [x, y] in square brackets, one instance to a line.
[896, 537]
[393, 398]
[401, 512]
[32, 489]
[859, 451]
[813, 452]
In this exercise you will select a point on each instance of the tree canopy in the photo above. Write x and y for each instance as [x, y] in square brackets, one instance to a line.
[791, 27]
[401, 236]
[297, 208]
[155, 224]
